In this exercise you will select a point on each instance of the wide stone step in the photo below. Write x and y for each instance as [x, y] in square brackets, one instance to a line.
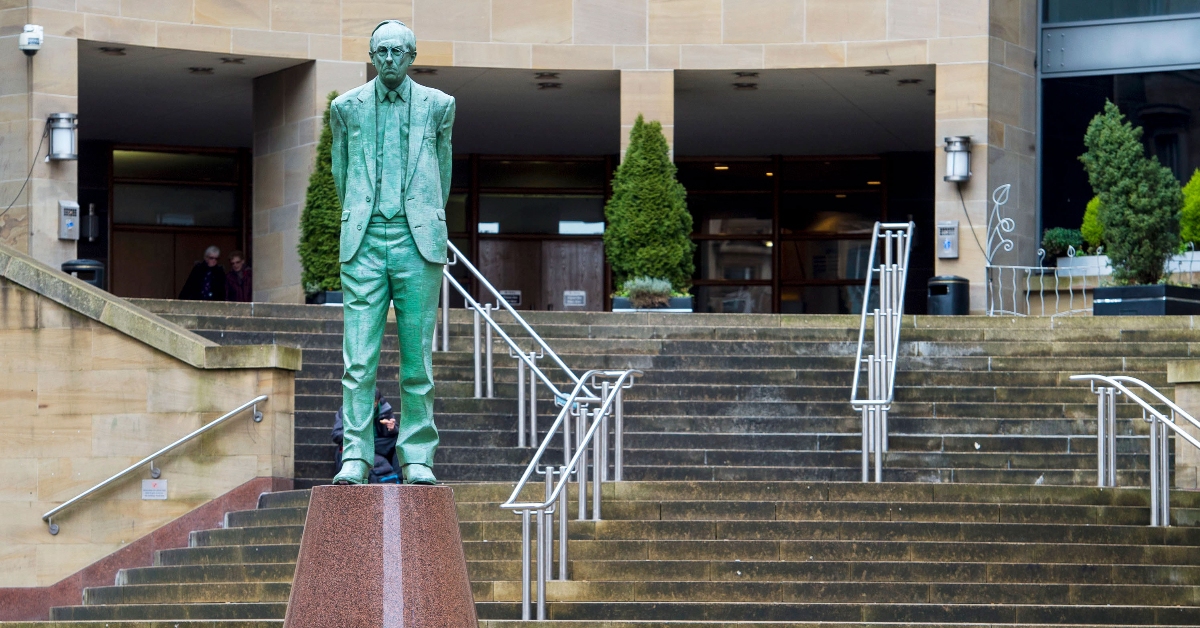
[734, 583]
[1077, 477]
[201, 564]
[232, 610]
[514, 623]
[936, 614]
[209, 573]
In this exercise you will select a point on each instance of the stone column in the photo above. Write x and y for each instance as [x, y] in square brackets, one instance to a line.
[288, 107]
[31, 88]
[994, 102]
[650, 93]
[1185, 376]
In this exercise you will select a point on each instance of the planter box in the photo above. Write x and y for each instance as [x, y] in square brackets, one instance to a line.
[1084, 266]
[676, 304]
[325, 297]
[1156, 300]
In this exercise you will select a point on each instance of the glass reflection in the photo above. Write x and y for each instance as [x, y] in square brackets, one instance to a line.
[733, 299]
[739, 260]
[824, 259]
[824, 299]
[851, 212]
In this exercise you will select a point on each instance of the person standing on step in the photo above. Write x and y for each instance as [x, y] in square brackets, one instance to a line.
[391, 165]
[206, 282]
[239, 280]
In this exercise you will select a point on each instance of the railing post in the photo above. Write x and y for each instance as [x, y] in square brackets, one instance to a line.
[478, 366]
[1111, 430]
[445, 313]
[562, 523]
[1101, 438]
[521, 401]
[491, 389]
[542, 530]
[581, 470]
[597, 459]
[1154, 471]
[567, 436]
[602, 440]
[533, 418]
[618, 436]
[549, 549]
[1164, 474]
[525, 565]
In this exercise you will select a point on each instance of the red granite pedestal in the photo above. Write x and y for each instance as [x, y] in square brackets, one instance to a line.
[381, 556]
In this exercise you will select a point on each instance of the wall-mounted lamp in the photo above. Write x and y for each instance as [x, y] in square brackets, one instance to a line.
[958, 159]
[63, 136]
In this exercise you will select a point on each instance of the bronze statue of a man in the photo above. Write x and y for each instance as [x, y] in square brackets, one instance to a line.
[391, 165]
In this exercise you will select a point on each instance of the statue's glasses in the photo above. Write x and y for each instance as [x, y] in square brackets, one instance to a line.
[397, 53]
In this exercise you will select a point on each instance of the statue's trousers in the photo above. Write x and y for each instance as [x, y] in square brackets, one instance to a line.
[388, 267]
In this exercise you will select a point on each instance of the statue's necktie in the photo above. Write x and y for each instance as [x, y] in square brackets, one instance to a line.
[391, 195]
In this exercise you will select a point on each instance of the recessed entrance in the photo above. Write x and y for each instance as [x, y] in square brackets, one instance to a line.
[165, 144]
[787, 172]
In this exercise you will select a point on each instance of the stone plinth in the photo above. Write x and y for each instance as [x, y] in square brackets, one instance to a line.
[381, 556]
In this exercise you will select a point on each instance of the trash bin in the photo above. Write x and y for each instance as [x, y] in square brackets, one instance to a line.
[87, 270]
[949, 296]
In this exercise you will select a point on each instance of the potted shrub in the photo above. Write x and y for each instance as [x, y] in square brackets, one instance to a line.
[1140, 203]
[320, 226]
[644, 293]
[649, 228]
[1058, 242]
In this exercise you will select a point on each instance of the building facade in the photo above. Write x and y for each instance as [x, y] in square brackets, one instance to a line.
[796, 124]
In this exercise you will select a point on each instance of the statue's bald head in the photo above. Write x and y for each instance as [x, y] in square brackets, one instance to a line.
[393, 29]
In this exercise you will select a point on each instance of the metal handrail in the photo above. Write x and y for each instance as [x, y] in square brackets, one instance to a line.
[893, 280]
[1161, 397]
[154, 471]
[605, 407]
[595, 437]
[503, 303]
[1160, 496]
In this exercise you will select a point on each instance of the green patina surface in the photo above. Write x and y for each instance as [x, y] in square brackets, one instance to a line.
[391, 162]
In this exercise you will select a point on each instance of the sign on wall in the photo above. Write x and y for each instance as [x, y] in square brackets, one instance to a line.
[512, 296]
[154, 489]
[574, 298]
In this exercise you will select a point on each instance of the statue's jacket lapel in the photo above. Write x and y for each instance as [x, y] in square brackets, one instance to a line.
[423, 178]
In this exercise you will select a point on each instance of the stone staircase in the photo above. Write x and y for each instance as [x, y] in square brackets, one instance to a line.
[762, 397]
[742, 510]
[752, 554]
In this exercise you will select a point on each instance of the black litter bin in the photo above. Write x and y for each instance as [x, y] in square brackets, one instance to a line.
[87, 270]
[949, 296]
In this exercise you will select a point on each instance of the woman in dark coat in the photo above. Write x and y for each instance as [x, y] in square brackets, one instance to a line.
[207, 280]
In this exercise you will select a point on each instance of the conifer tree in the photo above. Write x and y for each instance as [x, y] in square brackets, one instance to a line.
[320, 222]
[649, 227]
[1091, 230]
[1140, 200]
[1189, 220]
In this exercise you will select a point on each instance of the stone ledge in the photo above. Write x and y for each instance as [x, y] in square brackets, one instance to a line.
[1183, 371]
[136, 322]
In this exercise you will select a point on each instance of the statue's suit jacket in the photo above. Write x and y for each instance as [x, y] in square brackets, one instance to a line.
[427, 177]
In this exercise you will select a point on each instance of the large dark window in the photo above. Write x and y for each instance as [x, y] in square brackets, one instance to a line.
[1163, 104]
[1084, 10]
[785, 234]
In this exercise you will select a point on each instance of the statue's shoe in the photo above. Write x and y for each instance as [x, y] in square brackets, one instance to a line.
[353, 472]
[418, 474]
